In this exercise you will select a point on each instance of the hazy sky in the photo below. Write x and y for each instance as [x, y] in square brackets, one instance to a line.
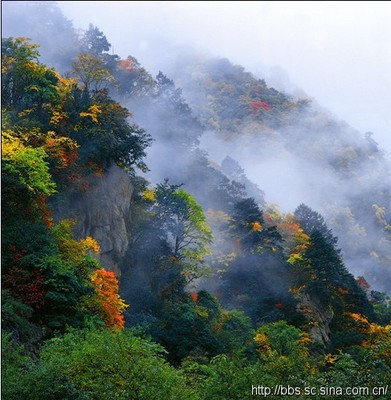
[337, 52]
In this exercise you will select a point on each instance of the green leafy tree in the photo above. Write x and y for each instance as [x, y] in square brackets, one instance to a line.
[91, 72]
[27, 165]
[113, 365]
[360, 370]
[95, 42]
[224, 378]
[16, 316]
[16, 56]
[285, 348]
[134, 84]
[167, 253]
[184, 224]
[382, 306]
[28, 88]
[184, 330]
[22, 378]
[234, 330]
[100, 127]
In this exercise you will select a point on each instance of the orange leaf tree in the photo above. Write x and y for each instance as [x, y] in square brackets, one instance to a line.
[110, 304]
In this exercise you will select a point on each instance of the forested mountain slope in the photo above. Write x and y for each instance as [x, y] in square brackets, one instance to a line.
[317, 158]
[139, 263]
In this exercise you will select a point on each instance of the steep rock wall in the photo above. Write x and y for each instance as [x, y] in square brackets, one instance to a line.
[318, 319]
[102, 212]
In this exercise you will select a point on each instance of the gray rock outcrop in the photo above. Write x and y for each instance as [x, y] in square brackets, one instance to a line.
[102, 212]
[318, 319]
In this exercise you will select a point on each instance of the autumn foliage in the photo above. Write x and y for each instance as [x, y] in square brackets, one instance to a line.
[111, 304]
[126, 65]
[256, 105]
[296, 241]
[194, 295]
[26, 286]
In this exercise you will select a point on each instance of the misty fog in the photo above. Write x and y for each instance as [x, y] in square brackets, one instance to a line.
[336, 55]
[337, 52]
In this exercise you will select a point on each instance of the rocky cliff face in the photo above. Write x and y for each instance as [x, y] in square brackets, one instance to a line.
[103, 212]
[318, 319]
